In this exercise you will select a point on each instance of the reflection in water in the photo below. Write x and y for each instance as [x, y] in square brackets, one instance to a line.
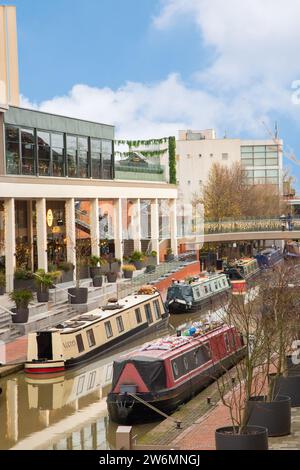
[67, 411]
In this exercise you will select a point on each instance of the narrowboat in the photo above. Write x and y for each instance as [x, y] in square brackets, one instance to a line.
[166, 373]
[183, 296]
[269, 257]
[97, 332]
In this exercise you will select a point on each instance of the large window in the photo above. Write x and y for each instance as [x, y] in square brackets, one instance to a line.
[259, 155]
[13, 157]
[58, 154]
[44, 153]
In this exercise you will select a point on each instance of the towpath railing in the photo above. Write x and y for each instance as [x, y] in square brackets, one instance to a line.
[250, 225]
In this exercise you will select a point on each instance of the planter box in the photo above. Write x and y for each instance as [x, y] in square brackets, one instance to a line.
[21, 316]
[288, 386]
[128, 274]
[275, 415]
[111, 277]
[95, 271]
[97, 281]
[254, 438]
[80, 296]
[43, 297]
[2, 290]
[138, 265]
[169, 258]
[28, 284]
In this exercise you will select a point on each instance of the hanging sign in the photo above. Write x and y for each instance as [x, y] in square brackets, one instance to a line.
[49, 218]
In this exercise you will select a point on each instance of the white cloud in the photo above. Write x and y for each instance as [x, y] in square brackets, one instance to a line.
[254, 51]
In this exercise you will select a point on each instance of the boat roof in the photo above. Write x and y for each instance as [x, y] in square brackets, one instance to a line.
[103, 313]
[245, 261]
[203, 279]
[170, 346]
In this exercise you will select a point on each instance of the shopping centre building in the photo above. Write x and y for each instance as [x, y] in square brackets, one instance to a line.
[59, 183]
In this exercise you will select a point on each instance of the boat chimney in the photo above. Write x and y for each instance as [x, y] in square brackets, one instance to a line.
[178, 332]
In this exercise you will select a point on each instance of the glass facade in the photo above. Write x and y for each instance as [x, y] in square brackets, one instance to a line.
[261, 159]
[36, 152]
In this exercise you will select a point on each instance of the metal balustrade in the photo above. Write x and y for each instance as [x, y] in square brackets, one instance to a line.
[249, 225]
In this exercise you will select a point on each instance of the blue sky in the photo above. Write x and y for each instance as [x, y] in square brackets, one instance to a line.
[152, 67]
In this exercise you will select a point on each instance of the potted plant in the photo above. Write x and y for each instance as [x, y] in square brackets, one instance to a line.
[44, 281]
[281, 302]
[95, 265]
[78, 294]
[24, 279]
[128, 270]
[245, 379]
[67, 270]
[137, 259]
[169, 256]
[111, 277]
[152, 259]
[22, 298]
[2, 283]
[98, 280]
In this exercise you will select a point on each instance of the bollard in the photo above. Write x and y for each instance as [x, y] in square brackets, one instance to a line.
[124, 438]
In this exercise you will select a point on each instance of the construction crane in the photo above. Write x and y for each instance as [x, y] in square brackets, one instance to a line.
[289, 153]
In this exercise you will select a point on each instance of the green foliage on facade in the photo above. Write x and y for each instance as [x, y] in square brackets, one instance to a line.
[172, 160]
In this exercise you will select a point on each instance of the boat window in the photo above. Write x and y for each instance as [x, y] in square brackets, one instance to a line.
[79, 343]
[90, 338]
[91, 380]
[108, 329]
[120, 324]
[197, 292]
[109, 373]
[80, 385]
[232, 340]
[175, 369]
[186, 363]
[138, 315]
[224, 282]
[216, 285]
[227, 345]
[157, 310]
[148, 313]
[206, 289]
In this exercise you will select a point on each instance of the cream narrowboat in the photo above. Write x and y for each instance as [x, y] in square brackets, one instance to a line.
[89, 335]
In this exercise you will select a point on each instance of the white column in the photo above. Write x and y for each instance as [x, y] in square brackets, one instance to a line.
[173, 226]
[41, 231]
[155, 227]
[94, 217]
[71, 231]
[136, 225]
[10, 242]
[118, 231]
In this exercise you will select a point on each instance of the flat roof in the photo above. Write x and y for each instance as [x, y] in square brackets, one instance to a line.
[55, 122]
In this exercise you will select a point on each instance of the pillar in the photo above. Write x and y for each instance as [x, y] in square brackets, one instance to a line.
[30, 230]
[10, 242]
[94, 217]
[173, 226]
[124, 438]
[155, 227]
[136, 225]
[71, 231]
[118, 229]
[41, 231]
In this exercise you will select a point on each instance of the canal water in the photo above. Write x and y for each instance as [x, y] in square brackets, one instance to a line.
[67, 411]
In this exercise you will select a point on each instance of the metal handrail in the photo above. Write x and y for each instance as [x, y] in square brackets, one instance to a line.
[56, 286]
[7, 311]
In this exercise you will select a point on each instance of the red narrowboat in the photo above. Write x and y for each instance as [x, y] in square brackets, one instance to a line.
[170, 371]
